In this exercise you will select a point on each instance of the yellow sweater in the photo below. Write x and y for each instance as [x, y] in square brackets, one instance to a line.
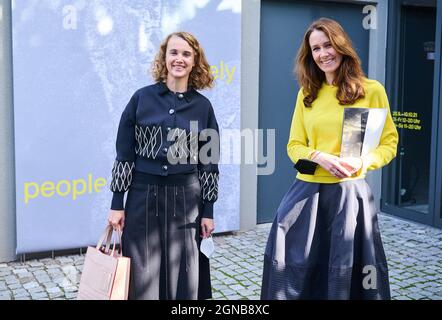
[320, 128]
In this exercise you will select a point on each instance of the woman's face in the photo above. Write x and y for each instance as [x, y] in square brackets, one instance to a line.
[325, 56]
[180, 58]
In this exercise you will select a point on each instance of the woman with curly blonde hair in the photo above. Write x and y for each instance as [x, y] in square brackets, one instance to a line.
[169, 205]
[325, 241]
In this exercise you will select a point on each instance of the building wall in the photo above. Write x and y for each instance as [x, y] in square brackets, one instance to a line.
[7, 175]
[251, 11]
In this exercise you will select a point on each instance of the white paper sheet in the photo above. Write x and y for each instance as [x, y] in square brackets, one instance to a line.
[373, 129]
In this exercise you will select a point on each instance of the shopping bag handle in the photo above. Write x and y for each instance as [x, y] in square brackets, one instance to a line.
[104, 236]
[107, 236]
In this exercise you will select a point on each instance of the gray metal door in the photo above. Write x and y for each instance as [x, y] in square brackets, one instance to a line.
[283, 24]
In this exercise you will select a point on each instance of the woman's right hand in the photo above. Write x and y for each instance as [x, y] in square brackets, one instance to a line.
[332, 164]
[116, 219]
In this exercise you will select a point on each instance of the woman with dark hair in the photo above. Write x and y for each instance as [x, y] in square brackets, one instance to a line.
[171, 187]
[325, 241]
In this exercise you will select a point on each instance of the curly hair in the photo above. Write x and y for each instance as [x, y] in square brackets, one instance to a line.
[349, 76]
[200, 76]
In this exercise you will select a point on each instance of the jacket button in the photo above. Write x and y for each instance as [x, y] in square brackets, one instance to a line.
[165, 150]
[180, 96]
[168, 129]
[164, 168]
[171, 111]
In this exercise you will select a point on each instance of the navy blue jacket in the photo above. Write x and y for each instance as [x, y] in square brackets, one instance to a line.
[153, 116]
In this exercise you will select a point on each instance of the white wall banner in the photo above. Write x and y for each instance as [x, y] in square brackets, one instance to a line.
[76, 65]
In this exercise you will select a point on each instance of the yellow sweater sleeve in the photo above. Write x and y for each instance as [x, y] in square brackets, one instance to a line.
[298, 144]
[387, 148]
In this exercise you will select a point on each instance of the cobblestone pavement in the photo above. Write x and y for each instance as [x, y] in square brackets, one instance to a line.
[414, 254]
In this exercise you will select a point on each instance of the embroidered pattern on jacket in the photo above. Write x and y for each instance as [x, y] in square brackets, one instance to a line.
[209, 185]
[121, 176]
[185, 145]
[149, 141]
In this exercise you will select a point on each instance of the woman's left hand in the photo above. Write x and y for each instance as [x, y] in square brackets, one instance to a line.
[352, 164]
[207, 227]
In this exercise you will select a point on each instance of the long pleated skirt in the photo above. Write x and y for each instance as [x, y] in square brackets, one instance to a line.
[162, 238]
[325, 244]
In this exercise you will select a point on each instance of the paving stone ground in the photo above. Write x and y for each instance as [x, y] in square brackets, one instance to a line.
[414, 254]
